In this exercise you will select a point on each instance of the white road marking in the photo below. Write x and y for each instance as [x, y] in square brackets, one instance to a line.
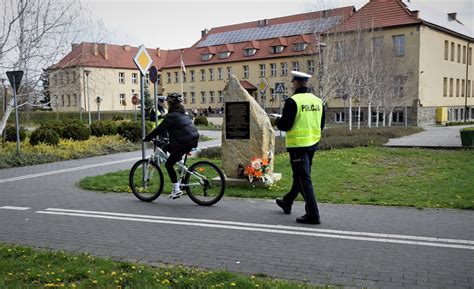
[15, 208]
[65, 170]
[279, 229]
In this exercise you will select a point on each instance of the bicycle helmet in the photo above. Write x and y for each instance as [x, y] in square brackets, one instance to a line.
[174, 97]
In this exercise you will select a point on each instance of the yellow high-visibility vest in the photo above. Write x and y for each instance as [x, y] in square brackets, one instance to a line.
[306, 130]
[161, 119]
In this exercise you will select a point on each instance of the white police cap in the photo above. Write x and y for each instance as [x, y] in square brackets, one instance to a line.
[162, 97]
[300, 76]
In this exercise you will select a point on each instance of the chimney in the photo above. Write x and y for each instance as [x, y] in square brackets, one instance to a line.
[204, 32]
[158, 52]
[104, 50]
[261, 23]
[74, 46]
[417, 13]
[126, 47]
[95, 49]
[452, 16]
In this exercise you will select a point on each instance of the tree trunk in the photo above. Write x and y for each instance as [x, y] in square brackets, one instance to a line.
[377, 111]
[390, 117]
[6, 115]
[350, 113]
[369, 114]
[358, 118]
[383, 118]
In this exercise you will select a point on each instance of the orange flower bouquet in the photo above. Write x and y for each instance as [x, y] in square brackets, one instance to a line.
[258, 169]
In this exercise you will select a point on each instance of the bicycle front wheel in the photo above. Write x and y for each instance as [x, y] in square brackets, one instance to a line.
[146, 180]
[204, 183]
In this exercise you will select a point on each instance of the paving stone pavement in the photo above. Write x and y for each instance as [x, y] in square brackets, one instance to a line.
[264, 241]
[432, 136]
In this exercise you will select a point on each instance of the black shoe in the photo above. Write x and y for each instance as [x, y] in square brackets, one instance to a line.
[286, 208]
[308, 220]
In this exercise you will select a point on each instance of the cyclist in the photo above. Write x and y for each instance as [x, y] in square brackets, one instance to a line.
[183, 136]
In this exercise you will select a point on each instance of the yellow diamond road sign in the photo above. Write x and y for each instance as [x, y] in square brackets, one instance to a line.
[143, 60]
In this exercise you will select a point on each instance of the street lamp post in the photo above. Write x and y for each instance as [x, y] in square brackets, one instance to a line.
[4, 106]
[87, 72]
[321, 68]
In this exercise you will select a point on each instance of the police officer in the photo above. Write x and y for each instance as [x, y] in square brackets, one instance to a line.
[303, 121]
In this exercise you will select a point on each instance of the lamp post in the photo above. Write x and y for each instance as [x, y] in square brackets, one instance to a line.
[134, 106]
[87, 72]
[4, 106]
[321, 68]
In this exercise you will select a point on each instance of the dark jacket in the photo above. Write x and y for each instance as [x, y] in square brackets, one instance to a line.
[182, 133]
[289, 114]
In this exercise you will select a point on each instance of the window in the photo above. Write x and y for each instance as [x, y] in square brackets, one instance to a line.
[273, 95]
[397, 117]
[451, 87]
[147, 78]
[203, 97]
[176, 77]
[60, 78]
[55, 79]
[469, 56]
[284, 69]
[340, 116]
[73, 77]
[203, 74]
[464, 54]
[446, 50]
[185, 97]
[193, 97]
[211, 97]
[193, 76]
[183, 75]
[221, 96]
[206, 57]
[134, 78]
[463, 87]
[377, 43]
[262, 70]
[339, 51]
[273, 69]
[452, 51]
[74, 98]
[296, 65]
[223, 55]
[122, 98]
[374, 116]
[68, 97]
[168, 74]
[246, 71]
[310, 64]
[67, 77]
[250, 51]
[220, 73]
[229, 72]
[468, 93]
[299, 46]
[459, 53]
[277, 49]
[159, 79]
[457, 87]
[211, 73]
[445, 86]
[121, 77]
[399, 45]
[62, 100]
[355, 116]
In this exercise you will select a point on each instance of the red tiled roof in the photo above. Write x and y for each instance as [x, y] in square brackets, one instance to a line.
[247, 85]
[192, 55]
[118, 56]
[378, 14]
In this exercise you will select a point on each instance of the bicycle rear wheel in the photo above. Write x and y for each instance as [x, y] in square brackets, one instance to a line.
[204, 183]
[146, 180]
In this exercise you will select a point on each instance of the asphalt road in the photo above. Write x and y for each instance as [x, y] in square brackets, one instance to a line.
[357, 246]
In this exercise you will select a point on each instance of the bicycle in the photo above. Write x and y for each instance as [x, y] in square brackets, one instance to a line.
[203, 181]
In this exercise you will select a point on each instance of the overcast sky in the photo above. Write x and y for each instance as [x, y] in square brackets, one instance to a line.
[172, 24]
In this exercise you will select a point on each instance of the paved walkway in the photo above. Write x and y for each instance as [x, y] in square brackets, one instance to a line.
[432, 136]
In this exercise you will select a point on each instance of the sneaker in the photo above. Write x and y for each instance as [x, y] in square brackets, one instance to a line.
[175, 194]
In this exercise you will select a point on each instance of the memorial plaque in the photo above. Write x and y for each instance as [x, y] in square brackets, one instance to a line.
[237, 120]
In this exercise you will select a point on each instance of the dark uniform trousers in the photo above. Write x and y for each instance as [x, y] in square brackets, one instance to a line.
[301, 161]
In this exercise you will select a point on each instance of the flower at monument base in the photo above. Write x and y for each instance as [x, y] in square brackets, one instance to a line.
[258, 169]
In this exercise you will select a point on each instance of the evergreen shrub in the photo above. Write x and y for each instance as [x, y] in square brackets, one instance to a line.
[76, 131]
[201, 120]
[100, 128]
[10, 133]
[44, 135]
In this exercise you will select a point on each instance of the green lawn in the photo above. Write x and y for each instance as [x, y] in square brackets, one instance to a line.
[22, 267]
[367, 175]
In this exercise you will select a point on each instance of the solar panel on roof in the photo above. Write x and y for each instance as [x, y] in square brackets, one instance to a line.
[273, 31]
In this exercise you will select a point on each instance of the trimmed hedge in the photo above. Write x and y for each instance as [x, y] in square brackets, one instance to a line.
[44, 135]
[133, 130]
[101, 128]
[10, 133]
[44, 116]
[76, 131]
[54, 125]
[459, 123]
[201, 120]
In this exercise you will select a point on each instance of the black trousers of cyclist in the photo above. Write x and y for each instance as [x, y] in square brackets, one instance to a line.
[174, 157]
[301, 162]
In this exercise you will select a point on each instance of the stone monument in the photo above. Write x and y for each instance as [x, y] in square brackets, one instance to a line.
[247, 133]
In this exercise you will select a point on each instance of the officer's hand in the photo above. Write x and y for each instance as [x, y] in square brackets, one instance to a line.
[274, 115]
